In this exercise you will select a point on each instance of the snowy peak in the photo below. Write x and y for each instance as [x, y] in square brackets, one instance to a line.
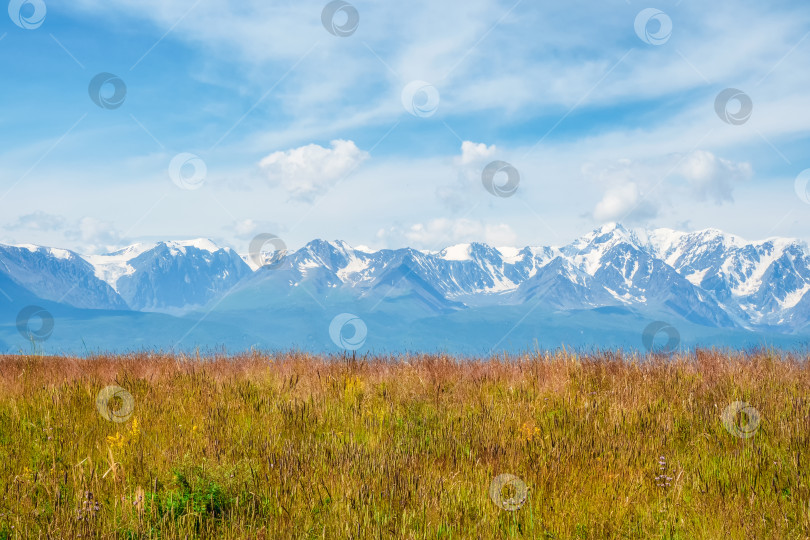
[610, 233]
[58, 275]
[709, 277]
[203, 244]
[605, 236]
[343, 263]
[724, 260]
[329, 254]
[671, 245]
[591, 251]
[761, 282]
[171, 275]
[111, 267]
[56, 253]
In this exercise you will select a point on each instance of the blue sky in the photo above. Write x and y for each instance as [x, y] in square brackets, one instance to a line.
[304, 134]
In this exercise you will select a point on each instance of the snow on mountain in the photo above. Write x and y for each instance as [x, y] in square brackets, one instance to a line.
[562, 285]
[761, 281]
[710, 278]
[587, 251]
[171, 275]
[58, 275]
[111, 266]
[613, 267]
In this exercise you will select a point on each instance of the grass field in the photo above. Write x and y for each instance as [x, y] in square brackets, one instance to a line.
[296, 446]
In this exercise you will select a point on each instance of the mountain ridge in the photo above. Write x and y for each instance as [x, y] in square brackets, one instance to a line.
[709, 279]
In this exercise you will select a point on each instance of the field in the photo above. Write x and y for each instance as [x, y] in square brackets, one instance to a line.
[296, 446]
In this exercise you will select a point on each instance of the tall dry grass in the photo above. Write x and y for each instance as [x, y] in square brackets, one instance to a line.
[298, 446]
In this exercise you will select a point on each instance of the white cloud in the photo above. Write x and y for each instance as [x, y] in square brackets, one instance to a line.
[310, 170]
[95, 235]
[37, 221]
[442, 232]
[538, 65]
[86, 235]
[712, 177]
[244, 227]
[635, 190]
[475, 153]
[458, 195]
[533, 61]
[499, 235]
[623, 203]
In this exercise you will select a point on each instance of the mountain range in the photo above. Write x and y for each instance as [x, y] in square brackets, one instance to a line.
[604, 289]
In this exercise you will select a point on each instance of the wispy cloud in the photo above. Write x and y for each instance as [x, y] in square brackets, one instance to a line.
[635, 133]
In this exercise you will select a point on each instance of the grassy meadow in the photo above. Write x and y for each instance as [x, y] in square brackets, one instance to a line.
[299, 446]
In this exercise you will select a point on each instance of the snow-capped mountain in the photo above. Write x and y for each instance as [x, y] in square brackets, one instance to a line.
[711, 279]
[708, 281]
[170, 276]
[58, 275]
[623, 266]
[763, 283]
[708, 277]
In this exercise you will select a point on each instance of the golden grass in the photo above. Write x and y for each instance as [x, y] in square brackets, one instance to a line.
[298, 446]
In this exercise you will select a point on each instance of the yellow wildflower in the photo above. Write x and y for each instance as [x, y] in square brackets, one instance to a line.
[116, 441]
[529, 430]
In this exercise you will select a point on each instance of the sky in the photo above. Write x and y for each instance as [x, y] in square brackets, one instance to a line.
[376, 122]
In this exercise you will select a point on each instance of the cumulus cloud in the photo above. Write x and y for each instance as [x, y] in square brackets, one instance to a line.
[474, 157]
[244, 227]
[95, 235]
[37, 221]
[627, 190]
[635, 191]
[475, 153]
[307, 171]
[623, 203]
[441, 232]
[713, 178]
[500, 234]
[89, 235]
